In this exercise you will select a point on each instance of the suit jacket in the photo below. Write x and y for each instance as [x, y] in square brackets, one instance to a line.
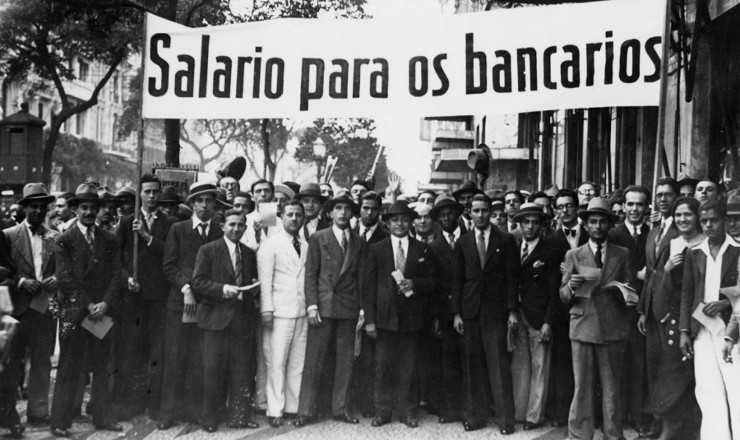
[443, 257]
[213, 269]
[154, 285]
[695, 268]
[603, 317]
[85, 276]
[332, 279]
[282, 276]
[383, 304]
[496, 279]
[180, 251]
[539, 278]
[621, 236]
[559, 248]
[22, 259]
[319, 226]
[651, 265]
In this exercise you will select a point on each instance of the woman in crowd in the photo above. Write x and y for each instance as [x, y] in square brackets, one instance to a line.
[671, 399]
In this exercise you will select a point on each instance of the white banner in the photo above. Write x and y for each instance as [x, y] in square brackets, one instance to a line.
[504, 61]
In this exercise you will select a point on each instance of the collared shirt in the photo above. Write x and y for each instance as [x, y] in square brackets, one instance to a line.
[145, 213]
[512, 225]
[311, 226]
[66, 225]
[486, 235]
[633, 229]
[370, 230]
[665, 223]
[232, 250]
[84, 228]
[592, 245]
[572, 240]
[713, 277]
[403, 242]
[530, 245]
[456, 233]
[37, 245]
[197, 222]
[338, 234]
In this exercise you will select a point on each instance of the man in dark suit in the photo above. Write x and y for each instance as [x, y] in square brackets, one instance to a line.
[485, 305]
[32, 250]
[88, 270]
[143, 308]
[464, 196]
[310, 197]
[333, 307]
[446, 212]
[539, 278]
[363, 372]
[183, 369]
[228, 317]
[569, 235]
[709, 267]
[598, 322]
[397, 283]
[632, 235]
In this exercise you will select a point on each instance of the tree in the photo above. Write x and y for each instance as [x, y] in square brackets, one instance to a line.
[81, 159]
[42, 36]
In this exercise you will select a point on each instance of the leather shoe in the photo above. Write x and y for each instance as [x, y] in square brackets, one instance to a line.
[16, 431]
[346, 418]
[165, 425]
[468, 426]
[59, 432]
[248, 425]
[528, 426]
[115, 427]
[379, 421]
[276, 422]
[506, 431]
[301, 421]
[38, 420]
[448, 419]
[411, 422]
[210, 428]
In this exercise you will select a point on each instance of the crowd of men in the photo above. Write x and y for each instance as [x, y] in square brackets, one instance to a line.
[586, 311]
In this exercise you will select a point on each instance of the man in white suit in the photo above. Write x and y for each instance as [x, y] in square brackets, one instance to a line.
[281, 260]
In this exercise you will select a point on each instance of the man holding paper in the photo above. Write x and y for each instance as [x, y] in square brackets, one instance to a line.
[705, 310]
[228, 316]
[598, 322]
[88, 273]
[32, 250]
[397, 281]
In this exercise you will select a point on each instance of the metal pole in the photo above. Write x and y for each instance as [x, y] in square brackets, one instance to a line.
[139, 158]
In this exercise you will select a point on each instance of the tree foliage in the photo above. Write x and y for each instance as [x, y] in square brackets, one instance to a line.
[81, 159]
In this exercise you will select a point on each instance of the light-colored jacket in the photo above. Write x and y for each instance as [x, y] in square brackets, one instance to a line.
[282, 275]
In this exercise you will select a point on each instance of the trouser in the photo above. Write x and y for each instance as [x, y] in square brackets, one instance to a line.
[363, 377]
[717, 387]
[139, 347]
[530, 366]
[632, 382]
[226, 355]
[341, 334]
[287, 353]
[35, 333]
[396, 355]
[452, 374]
[182, 382]
[561, 370]
[428, 377]
[486, 355]
[260, 367]
[71, 358]
[606, 360]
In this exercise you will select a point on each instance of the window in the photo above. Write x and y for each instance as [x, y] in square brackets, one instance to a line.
[84, 74]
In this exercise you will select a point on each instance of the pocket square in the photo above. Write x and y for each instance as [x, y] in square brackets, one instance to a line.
[421, 260]
[538, 264]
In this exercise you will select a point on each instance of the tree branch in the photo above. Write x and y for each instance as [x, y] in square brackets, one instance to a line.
[192, 10]
[110, 5]
[85, 105]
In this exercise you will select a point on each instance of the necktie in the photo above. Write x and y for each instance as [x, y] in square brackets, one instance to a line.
[89, 238]
[203, 235]
[512, 226]
[297, 244]
[525, 251]
[149, 220]
[305, 230]
[452, 239]
[597, 257]
[482, 249]
[470, 225]
[660, 234]
[364, 235]
[400, 258]
[635, 232]
[238, 265]
[344, 243]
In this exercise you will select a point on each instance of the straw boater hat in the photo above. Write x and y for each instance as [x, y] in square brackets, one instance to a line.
[310, 190]
[202, 188]
[598, 205]
[442, 201]
[400, 208]
[531, 209]
[342, 197]
[279, 188]
[86, 192]
[468, 186]
[733, 202]
[35, 192]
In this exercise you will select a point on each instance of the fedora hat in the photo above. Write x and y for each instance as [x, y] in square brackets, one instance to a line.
[126, 192]
[341, 197]
[221, 198]
[733, 202]
[86, 192]
[234, 169]
[598, 205]
[686, 180]
[310, 190]
[169, 195]
[443, 201]
[468, 186]
[399, 208]
[106, 195]
[531, 209]
[202, 188]
[35, 192]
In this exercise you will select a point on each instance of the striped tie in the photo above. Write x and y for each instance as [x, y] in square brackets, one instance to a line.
[238, 265]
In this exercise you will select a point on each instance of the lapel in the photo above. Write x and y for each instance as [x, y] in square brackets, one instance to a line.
[700, 264]
[413, 253]
[224, 251]
[289, 250]
[353, 248]
[585, 256]
[333, 247]
[23, 244]
[47, 250]
[608, 271]
[534, 254]
[494, 239]
[98, 247]
[729, 259]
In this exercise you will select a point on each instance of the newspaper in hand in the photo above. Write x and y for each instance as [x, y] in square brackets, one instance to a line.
[398, 276]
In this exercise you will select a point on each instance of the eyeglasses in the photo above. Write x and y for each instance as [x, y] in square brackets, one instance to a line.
[587, 192]
[566, 206]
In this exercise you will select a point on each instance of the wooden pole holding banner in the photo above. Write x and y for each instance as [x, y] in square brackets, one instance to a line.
[139, 159]
[660, 138]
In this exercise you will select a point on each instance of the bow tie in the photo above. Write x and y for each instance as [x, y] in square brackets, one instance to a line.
[36, 230]
[570, 232]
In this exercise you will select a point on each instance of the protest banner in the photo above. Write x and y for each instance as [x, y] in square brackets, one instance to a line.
[504, 61]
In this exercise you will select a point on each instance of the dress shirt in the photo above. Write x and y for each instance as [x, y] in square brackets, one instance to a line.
[468, 224]
[530, 245]
[66, 225]
[592, 244]
[511, 226]
[486, 235]
[196, 223]
[338, 234]
[232, 251]
[713, 277]
[404, 243]
[665, 223]
[84, 228]
[370, 230]
[37, 245]
[144, 213]
[456, 233]
[311, 226]
[633, 229]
